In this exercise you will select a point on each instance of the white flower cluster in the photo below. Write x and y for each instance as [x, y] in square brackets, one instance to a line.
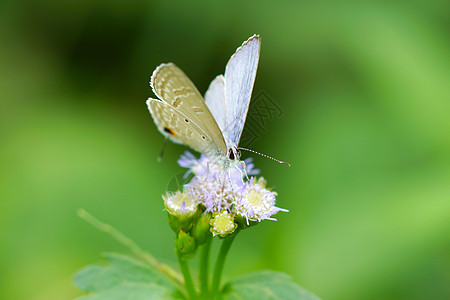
[220, 190]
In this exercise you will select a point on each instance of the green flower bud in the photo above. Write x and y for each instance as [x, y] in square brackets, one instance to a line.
[222, 223]
[261, 181]
[181, 209]
[185, 245]
[201, 231]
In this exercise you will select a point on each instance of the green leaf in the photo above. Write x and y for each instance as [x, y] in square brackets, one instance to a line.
[123, 278]
[265, 285]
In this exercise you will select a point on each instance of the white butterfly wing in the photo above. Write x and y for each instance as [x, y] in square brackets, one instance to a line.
[240, 74]
[215, 100]
[182, 115]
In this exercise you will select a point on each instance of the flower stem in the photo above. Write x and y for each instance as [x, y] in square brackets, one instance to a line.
[189, 284]
[204, 269]
[220, 262]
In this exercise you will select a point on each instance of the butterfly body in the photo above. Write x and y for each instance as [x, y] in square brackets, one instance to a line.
[212, 126]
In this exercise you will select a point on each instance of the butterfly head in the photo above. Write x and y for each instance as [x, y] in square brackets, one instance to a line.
[234, 153]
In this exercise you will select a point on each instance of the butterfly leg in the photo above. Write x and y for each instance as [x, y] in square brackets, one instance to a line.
[207, 168]
[161, 152]
[222, 181]
[244, 169]
[229, 177]
[222, 173]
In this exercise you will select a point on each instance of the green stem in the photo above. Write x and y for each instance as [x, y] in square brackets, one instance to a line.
[164, 269]
[189, 284]
[204, 269]
[220, 262]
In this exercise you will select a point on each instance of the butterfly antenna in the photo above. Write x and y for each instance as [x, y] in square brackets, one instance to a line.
[159, 159]
[266, 156]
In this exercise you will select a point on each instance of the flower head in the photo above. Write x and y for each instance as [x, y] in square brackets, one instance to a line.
[181, 208]
[222, 224]
[256, 202]
[219, 188]
[180, 203]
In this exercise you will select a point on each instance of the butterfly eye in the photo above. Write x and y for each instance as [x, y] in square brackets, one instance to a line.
[231, 154]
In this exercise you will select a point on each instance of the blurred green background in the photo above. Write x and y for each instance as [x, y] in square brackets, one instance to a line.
[365, 93]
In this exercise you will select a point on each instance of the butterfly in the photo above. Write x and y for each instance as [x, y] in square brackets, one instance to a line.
[212, 126]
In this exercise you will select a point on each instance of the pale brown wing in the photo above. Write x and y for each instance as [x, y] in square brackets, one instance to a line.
[179, 128]
[174, 88]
